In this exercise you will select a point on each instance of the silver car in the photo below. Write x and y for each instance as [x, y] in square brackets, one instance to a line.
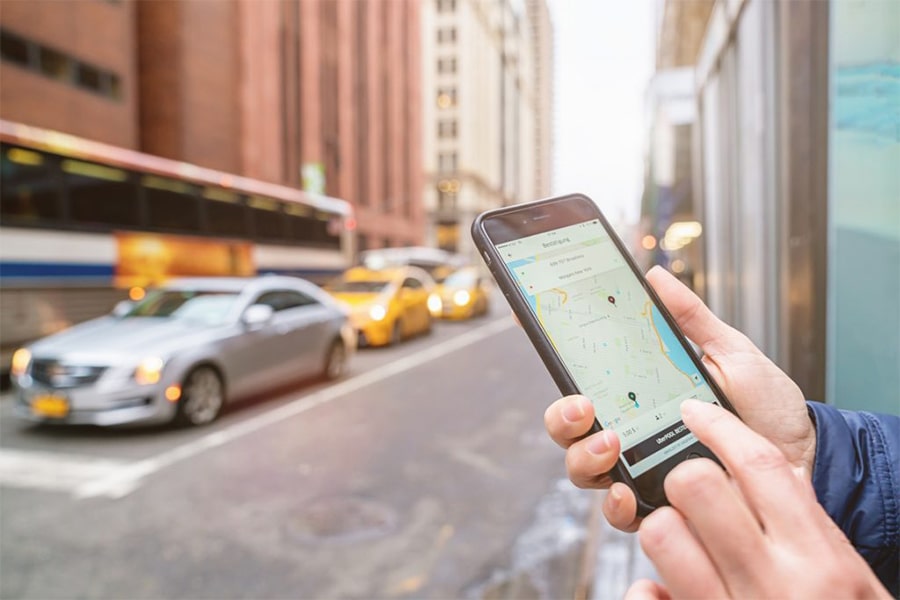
[182, 352]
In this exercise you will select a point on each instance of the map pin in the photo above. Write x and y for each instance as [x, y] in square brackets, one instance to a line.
[612, 300]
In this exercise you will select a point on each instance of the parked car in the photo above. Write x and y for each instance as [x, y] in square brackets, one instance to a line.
[464, 294]
[183, 352]
[387, 305]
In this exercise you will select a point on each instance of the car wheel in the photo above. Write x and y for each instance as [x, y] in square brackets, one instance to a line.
[202, 397]
[335, 360]
[397, 333]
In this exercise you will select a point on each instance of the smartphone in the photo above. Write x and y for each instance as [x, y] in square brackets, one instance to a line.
[601, 331]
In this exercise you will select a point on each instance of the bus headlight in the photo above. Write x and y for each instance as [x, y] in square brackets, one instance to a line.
[149, 371]
[461, 298]
[434, 304]
[377, 312]
[21, 360]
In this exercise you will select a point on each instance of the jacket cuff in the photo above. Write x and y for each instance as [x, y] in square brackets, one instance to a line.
[856, 480]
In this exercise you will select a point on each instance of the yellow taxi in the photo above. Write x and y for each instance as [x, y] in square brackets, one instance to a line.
[463, 294]
[386, 305]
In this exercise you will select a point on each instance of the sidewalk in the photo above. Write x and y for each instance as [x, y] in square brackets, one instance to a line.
[613, 560]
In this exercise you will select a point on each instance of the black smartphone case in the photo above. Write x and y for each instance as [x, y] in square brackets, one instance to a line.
[542, 344]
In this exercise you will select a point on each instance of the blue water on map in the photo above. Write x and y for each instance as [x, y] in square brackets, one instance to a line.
[511, 265]
[674, 349]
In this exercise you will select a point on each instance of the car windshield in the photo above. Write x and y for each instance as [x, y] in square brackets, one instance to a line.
[358, 287]
[192, 305]
[461, 279]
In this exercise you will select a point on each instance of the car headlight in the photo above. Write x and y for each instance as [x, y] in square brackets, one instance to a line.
[377, 312]
[21, 360]
[434, 303]
[149, 371]
[461, 298]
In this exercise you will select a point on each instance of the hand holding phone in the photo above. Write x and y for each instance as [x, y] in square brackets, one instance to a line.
[601, 331]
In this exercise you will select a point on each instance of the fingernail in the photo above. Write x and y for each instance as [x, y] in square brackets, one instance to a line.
[599, 444]
[614, 496]
[573, 410]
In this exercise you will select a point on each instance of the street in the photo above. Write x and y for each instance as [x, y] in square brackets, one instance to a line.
[425, 472]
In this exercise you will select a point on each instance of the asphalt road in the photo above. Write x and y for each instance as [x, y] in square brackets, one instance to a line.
[425, 473]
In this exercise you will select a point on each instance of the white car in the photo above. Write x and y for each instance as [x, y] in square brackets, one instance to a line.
[183, 352]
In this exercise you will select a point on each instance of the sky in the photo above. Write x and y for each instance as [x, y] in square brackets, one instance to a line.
[604, 58]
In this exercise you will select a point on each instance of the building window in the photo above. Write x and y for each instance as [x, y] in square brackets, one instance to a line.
[447, 128]
[447, 162]
[446, 35]
[55, 65]
[13, 49]
[446, 6]
[446, 97]
[59, 66]
[446, 64]
[446, 202]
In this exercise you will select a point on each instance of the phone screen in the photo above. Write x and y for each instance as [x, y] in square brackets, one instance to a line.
[611, 337]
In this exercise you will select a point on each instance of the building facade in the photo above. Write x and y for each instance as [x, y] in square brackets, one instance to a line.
[789, 142]
[487, 104]
[71, 67]
[319, 94]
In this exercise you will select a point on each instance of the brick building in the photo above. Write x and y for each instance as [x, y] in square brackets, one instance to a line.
[322, 94]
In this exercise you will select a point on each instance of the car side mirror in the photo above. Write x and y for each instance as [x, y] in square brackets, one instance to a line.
[122, 308]
[257, 316]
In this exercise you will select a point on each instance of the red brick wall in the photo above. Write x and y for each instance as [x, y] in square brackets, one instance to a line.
[98, 33]
[190, 76]
[237, 86]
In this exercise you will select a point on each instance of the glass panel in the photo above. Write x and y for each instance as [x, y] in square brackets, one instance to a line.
[13, 49]
[864, 213]
[227, 218]
[268, 220]
[55, 64]
[88, 77]
[171, 204]
[100, 195]
[29, 188]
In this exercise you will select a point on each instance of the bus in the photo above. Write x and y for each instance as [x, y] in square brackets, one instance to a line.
[84, 225]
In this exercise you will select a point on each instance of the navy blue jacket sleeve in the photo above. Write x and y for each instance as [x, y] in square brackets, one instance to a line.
[857, 480]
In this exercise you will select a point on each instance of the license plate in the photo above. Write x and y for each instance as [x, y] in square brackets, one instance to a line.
[50, 405]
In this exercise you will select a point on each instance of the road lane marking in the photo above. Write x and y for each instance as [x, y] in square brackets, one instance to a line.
[53, 471]
[124, 480]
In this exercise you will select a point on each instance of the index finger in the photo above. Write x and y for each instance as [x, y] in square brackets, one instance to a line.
[761, 471]
[694, 318]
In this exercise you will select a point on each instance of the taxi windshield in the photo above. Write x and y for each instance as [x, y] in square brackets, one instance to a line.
[463, 279]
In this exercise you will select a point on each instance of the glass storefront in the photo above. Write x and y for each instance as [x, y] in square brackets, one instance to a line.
[864, 207]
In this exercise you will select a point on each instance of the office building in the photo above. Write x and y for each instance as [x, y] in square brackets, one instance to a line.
[319, 94]
[487, 104]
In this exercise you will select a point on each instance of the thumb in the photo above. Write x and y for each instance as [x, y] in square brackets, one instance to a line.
[693, 317]
[644, 589]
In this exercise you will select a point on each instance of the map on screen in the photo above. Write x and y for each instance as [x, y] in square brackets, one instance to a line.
[614, 342]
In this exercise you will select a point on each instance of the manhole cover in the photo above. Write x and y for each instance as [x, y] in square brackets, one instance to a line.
[343, 519]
